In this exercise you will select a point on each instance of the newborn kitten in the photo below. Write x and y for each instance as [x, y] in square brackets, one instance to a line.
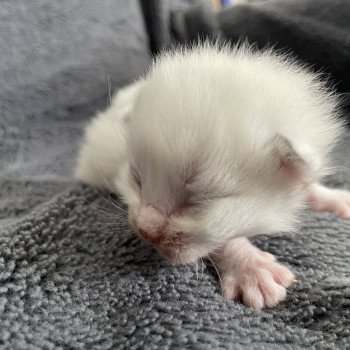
[212, 146]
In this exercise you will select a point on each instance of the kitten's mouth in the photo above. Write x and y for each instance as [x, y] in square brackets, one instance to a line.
[176, 247]
[168, 253]
[175, 257]
[178, 254]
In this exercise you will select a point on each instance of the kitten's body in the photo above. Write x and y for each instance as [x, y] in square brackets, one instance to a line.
[216, 144]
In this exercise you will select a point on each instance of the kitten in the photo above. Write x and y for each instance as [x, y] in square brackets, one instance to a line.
[214, 145]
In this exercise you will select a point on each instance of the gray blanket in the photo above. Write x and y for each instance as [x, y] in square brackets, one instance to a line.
[72, 273]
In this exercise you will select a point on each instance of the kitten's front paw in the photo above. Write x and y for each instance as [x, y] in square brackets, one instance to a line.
[260, 282]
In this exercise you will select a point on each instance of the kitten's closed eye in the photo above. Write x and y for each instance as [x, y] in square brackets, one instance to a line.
[136, 176]
[183, 206]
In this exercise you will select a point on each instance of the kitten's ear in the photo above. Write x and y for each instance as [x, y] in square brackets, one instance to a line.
[297, 162]
[125, 99]
[126, 117]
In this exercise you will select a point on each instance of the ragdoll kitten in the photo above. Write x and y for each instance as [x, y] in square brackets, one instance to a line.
[212, 146]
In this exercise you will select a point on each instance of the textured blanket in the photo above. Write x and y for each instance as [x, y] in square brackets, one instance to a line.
[74, 276]
[72, 273]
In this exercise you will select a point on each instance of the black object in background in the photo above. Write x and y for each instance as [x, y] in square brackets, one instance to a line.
[315, 31]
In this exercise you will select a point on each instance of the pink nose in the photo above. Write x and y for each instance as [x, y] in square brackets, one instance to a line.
[150, 223]
[154, 238]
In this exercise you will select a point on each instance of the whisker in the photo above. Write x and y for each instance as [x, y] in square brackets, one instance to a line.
[109, 187]
[215, 269]
[202, 265]
[111, 202]
[98, 207]
[221, 257]
[104, 179]
[125, 234]
[109, 91]
[103, 211]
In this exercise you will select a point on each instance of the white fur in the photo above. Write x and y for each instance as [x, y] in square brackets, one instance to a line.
[103, 150]
[207, 130]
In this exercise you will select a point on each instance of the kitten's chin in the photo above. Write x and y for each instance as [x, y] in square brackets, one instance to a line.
[183, 255]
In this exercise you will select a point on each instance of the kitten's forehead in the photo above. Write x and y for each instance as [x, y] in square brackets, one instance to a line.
[168, 179]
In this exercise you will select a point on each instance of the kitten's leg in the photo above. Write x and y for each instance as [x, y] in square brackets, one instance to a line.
[322, 198]
[250, 274]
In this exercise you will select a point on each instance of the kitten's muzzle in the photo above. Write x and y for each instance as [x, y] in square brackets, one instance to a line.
[152, 238]
[153, 226]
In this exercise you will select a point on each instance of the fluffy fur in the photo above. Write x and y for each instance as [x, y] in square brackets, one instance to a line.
[214, 143]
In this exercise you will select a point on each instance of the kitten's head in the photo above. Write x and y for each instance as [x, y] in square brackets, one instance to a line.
[190, 189]
[206, 160]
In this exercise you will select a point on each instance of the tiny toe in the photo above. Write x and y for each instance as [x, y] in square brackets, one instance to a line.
[281, 274]
[252, 297]
[230, 289]
[251, 294]
[274, 296]
[272, 292]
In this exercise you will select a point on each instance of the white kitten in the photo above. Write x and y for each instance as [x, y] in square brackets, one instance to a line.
[214, 144]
